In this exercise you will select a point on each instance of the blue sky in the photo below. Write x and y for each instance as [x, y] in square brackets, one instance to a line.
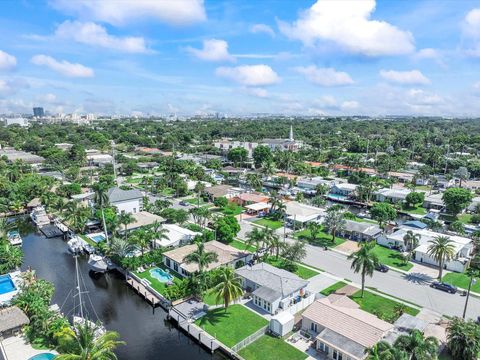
[193, 57]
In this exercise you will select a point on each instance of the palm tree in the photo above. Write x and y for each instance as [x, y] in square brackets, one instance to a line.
[101, 199]
[199, 189]
[76, 215]
[272, 240]
[268, 168]
[334, 221]
[201, 257]
[121, 248]
[442, 249]
[411, 240]
[384, 351]
[229, 287]
[84, 345]
[364, 261]
[11, 257]
[255, 239]
[142, 238]
[5, 227]
[254, 181]
[124, 219]
[417, 346]
[159, 232]
[462, 339]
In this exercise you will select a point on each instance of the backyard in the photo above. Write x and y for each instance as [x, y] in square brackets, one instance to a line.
[270, 223]
[231, 209]
[391, 258]
[321, 239]
[417, 210]
[232, 325]
[271, 348]
[156, 284]
[461, 280]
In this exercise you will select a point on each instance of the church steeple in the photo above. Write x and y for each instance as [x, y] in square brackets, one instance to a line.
[291, 133]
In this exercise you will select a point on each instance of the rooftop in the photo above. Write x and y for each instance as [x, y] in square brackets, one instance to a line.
[12, 318]
[116, 194]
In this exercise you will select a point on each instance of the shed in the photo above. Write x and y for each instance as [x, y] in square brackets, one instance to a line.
[282, 323]
[11, 320]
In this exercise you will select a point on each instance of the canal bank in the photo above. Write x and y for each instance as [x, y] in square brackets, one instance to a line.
[148, 333]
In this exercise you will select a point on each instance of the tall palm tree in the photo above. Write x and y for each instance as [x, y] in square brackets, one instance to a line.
[199, 189]
[268, 168]
[334, 221]
[201, 256]
[142, 238]
[442, 249]
[125, 219]
[364, 261]
[5, 227]
[229, 287]
[417, 346]
[101, 199]
[462, 339]
[159, 232]
[411, 240]
[254, 181]
[272, 241]
[121, 248]
[76, 215]
[255, 239]
[84, 345]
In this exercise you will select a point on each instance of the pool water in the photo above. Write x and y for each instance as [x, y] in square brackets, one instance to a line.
[161, 275]
[98, 238]
[6, 284]
[43, 356]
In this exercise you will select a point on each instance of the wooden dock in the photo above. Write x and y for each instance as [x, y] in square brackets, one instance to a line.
[51, 231]
[143, 291]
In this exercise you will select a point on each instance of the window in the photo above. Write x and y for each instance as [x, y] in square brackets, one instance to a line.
[167, 261]
[334, 355]
[340, 356]
[134, 210]
[175, 266]
[313, 326]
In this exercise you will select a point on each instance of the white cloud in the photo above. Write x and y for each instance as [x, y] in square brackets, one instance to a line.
[63, 67]
[430, 54]
[471, 30]
[262, 28]
[412, 77]
[324, 76]
[7, 61]
[349, 105]
[93, 34]
[419, 97]
[249, 75]
[176, 12]
[10, 87]
[258, 92]
[348, 24]
[213, 50]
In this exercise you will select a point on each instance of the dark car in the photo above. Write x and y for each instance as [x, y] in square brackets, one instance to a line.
[382, 268]
[444, 287]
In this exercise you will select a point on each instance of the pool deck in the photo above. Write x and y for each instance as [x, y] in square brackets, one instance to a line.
[16, 348]
[5, 298]
[143, 291]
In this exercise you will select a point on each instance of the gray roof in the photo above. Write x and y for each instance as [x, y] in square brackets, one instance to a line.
[12, 318]
[267, 294]
[342, 342]
[116, 194]
[276, 280]
[362, 227]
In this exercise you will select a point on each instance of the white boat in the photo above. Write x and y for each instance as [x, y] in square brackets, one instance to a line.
[39, 216]
[97, 263]
[14, 238]
[99, 329]
[75, 245]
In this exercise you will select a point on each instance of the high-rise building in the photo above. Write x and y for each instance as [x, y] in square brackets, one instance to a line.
[38, 112]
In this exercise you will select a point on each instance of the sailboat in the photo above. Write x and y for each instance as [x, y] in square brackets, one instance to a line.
[80, 318]
[97, 263]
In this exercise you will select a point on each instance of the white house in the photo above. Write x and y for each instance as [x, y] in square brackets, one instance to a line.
[392, 195]
[273, 289]
[129, 201]
[434, 201]
[360, 231]
[177, 236]
[343, 189]
[302, 214]
[311, 183]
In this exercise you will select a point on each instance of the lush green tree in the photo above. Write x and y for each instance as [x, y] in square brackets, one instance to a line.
[442, 249]
[462, 174]
[414, 199]
[178, 216]
[202, 257]
[255, 238]
[364, 261]
[383, 213]
[76, 216]
[220, 202]
[237, 155]
[11, 257]
[125, 219]
[417, 346]
[226, 228]
[229, 287]
[456, 199]
[457, 226]
[463, 339]
[333, 222]
[262, 154]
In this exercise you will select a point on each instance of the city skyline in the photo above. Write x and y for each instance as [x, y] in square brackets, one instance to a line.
[193, 57]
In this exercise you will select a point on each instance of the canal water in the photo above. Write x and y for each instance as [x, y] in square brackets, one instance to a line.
[148, 334]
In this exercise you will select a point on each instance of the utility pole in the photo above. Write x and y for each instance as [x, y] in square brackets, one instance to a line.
[472, 281]
[112, 142]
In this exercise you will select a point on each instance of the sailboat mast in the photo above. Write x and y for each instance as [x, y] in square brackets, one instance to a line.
[78, 287]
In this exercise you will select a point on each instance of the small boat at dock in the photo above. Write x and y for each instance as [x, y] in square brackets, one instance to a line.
[14, 237]
[39, 216]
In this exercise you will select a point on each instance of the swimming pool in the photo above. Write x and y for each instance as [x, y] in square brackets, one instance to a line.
[161, 275]
[6, 284]
[97, 237]
[43, 356]
[337, 197]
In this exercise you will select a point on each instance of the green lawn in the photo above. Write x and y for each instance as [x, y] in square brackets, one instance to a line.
[271, 348]
[231, 209]
[194, 201]
[154, 283]
[321, 238]
[417, 210]
[465, 218]
[210, 298]
[272, 224]
[391, 258]
[302, 271]
[240, 245]
[89, 241]
[333, 288]
[461, 280]
[380, 306]
[232, 325]
[167, 191]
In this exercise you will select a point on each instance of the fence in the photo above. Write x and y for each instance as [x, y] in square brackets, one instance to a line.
[299, 306]
[250, 339]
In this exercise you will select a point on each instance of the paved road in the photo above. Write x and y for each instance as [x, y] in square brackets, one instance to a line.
[411, 287]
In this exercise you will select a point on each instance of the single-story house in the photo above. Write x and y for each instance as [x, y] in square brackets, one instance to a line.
[343, 189]
[273, 289]
[13, 155]
[341, 329]
[177, 236]
[12, 319]
[416, 224]
[463, 246]
[258, 208]
[442, 182]
[302, 214]
[99, 159]
[141, 219]
[218, 191]
[360, 231]
[226, 256]
[312, 183]
[402, 177]
[249, 198]
[392, 195]
[434, 201]
[129, 201]
[472, 185]
[231, 170]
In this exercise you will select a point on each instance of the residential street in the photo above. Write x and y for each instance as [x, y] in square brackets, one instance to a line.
[412, 287]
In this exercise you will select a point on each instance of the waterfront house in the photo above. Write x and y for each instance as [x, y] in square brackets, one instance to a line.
[301, 214]
[343, 189]
[177, 236]
[360, 231]
[342, 331]
[226, 191]
[272, 289]
[310, 184]
[392, 195]
[226, 256]
[129, 201]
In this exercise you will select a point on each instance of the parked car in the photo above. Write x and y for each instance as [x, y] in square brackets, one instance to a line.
[382, 268]
[184, 203]
[444, 287]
